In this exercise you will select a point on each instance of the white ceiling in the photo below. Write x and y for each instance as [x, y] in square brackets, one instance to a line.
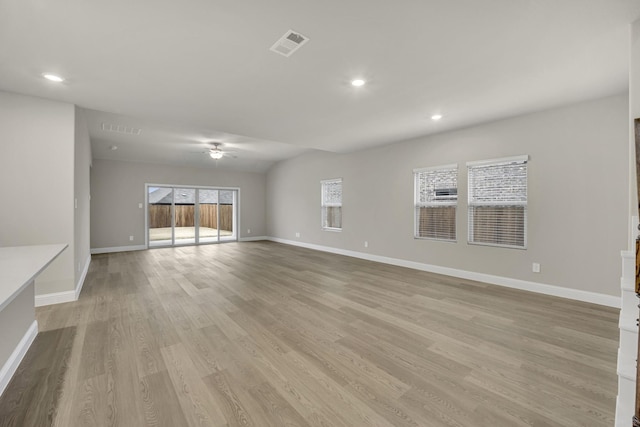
[191, 71]
[182, 145]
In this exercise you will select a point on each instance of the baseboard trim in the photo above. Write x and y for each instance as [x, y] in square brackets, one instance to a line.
[65, 296]
[11, 365]
[628, 254]
[95, 251]
[627, 370]
[55, 298]
[83, 276]
[253, 238]
[541, 288]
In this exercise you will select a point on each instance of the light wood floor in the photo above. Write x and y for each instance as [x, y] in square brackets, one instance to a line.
[263, 334]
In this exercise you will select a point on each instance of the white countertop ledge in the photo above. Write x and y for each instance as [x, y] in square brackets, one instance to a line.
[19, 265]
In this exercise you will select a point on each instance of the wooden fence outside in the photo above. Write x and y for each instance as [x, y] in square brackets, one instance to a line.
[496, 225]
[499, 225]
[437, 222]
[160, 216]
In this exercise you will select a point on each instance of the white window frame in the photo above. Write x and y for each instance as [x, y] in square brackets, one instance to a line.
[324, 204]
[418, 203]
[502, 202]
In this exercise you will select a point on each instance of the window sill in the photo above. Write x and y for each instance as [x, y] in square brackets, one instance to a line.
[435, 239]
[335, 230]
[495, 245]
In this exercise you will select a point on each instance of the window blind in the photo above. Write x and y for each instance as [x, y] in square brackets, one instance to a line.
[331, 204]
[436, 199]
[498, 202]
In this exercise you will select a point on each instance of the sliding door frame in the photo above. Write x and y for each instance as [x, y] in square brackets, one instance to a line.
[236, 213]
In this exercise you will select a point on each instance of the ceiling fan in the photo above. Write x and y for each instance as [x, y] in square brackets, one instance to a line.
[216, 152]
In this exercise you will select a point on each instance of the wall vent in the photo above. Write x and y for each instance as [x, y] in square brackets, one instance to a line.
[108, 127]
[289, 43]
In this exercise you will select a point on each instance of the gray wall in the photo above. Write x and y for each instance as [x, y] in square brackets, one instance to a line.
[578, 174]
[82, 166]
[37, 176]
[118, 187]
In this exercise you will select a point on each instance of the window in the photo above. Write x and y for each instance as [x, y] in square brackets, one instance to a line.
[332, 204]
[436, 198]
[498, 202]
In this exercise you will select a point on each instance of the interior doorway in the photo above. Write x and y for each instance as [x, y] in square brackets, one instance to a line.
[183, 215]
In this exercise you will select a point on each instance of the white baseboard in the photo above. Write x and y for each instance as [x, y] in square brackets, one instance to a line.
[558, 291]
[55, 298]
[11, 365]
[66, 296]
[253, 238]
[117, 249]
[83, 276]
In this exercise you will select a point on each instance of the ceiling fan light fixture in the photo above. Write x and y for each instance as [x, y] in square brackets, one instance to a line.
[216, 153]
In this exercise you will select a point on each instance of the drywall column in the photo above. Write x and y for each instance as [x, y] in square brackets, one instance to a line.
[625, 403]
[81, 181]
[37, 182]
[634, 113]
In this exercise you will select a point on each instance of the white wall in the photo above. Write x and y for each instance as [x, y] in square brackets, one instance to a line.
[37, 181]
[118, 187]
[82, 166]
[634, 113]
[578, 173]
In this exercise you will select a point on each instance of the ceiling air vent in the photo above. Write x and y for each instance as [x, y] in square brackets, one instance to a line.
[120, 129]
[289, 43]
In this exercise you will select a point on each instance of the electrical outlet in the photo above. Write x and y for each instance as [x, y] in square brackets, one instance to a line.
[535, 267]
[248, 231]
[366, 244]
[297, 234]
[131, 238]
[140, 205]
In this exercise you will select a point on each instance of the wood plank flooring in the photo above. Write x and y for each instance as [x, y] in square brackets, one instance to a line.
[264, 334]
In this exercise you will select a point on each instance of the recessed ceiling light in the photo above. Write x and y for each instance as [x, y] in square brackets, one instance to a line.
[53, 77]
[113, 147]
[358, 82]
[436, 117]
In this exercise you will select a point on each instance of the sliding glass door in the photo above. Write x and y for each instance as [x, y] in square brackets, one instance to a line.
[208, 215]
[190, 215]
[184, 214]
[160, 216]
[227, 210]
